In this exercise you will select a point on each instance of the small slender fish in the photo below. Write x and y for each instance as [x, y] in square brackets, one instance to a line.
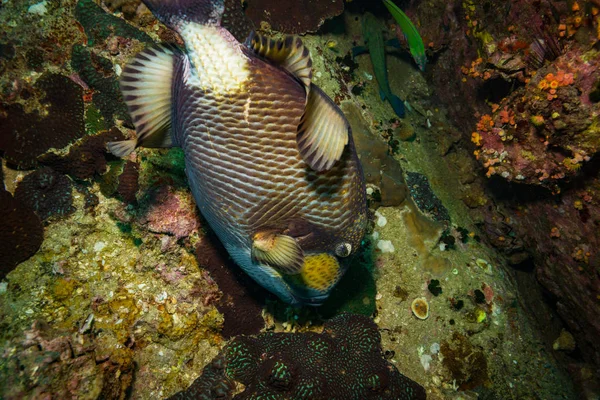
[375, 45]
[414, 40]
[269, 157]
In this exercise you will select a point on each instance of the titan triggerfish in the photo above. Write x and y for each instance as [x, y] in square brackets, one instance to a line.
[269, 156]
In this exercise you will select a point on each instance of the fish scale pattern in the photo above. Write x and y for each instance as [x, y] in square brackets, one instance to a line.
[345, 362]
[244, 166]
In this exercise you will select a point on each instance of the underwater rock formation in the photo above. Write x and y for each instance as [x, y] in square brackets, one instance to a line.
[382, 172]
[344, 362]
[526, 75]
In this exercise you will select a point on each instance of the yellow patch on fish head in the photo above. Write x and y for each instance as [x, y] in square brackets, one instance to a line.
[219, 64]
[320, 271]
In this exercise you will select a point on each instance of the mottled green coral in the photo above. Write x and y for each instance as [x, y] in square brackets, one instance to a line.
[99, 25]
[98, 73]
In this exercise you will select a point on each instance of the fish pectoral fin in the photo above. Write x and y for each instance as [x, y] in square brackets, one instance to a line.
[323, 131]
[282, 252]
[146, 84]
[288, 53]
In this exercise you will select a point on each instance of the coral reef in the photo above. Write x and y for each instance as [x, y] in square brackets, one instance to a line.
[344, 362]
[98, 74]
[41, 355]
[86, 158]
[21, 232]
[24, 136]
[426, 200]
[172, 212]
[543, 132]
[100, 25]
[46, 192]
[293, 16]
[526, 74]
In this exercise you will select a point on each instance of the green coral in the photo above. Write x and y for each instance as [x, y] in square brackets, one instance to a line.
[99, 25]
[94, 121]
[98, 73]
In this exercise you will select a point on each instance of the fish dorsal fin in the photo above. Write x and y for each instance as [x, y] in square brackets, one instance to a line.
[289, 53]
[146, 84]
[323, 131]
[282, 252]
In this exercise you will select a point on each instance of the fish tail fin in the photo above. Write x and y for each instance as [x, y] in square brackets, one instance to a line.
[398, 105]
[173, 12]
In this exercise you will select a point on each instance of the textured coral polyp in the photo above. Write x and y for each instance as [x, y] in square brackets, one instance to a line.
[26, 136]
[345, 362]
[21, 233]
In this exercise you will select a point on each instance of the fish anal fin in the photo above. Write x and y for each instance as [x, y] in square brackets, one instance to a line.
[288, 53]
[146, 84]
[122, 148]
[282, 252]
[323, 131]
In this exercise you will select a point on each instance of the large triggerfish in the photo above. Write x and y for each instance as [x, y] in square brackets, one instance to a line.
[269, 157]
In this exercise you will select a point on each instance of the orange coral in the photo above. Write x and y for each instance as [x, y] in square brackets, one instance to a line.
[507, 116]
[485, 123]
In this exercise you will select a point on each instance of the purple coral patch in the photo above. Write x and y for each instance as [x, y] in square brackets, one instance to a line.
[172, 212]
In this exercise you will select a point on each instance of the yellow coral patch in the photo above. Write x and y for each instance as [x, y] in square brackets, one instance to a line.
[320, 271]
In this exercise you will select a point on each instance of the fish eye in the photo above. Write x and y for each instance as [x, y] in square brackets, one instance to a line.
[343, 249]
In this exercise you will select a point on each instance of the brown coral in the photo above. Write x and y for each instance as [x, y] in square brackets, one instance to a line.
[86, 158]
[47, 192]
[295, 17]
[25, 136]
[128, 182]
[21, 233]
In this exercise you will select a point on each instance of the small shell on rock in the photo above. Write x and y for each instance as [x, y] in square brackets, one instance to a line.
[420, 308]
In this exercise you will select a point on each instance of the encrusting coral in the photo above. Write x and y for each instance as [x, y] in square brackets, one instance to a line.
[21, 232]
[345, 362]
